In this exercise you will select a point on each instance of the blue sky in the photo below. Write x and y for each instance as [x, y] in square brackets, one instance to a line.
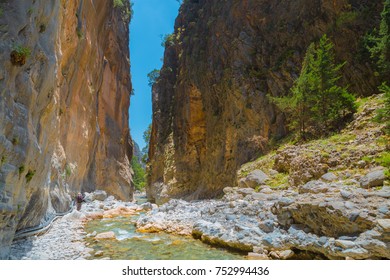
[152, 18]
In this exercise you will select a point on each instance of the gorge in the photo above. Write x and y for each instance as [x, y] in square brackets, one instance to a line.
[223, 164]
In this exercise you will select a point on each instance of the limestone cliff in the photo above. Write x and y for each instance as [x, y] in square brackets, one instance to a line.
[64, 97]
[211, 113]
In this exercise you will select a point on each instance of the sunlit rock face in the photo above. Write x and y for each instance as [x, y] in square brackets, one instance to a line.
[211, 111]
[64, 98]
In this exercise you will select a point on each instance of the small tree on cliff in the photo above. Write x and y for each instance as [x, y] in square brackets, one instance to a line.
[317, 105]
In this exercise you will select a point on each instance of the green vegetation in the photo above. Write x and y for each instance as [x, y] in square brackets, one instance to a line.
[283, 58]
[317, 105]
[1, 12]
[384, 160]
[2, 160]
[146, 137]
[139, 178]
[127, 11]
[30, 174]
[21, 169]
[19, 55]
[68, 170]
[168, 40]
[378, 43]
[15, 141]
[383, 114]
[79, 33]
[346, 18]
[30, 11]
[118, 3]
[153, 77]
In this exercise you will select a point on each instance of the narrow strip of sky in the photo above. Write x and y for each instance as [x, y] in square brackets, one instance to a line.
[151, 20]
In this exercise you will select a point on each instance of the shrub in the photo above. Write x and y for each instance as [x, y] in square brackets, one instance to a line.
[168, 40]
[30, 174]
[153, 77]
[19, 55]
[118, 3]
[21, 169]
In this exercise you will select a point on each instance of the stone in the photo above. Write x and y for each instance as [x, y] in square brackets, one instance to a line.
[254, 179]
[346, 244]
[384, 224]
[105, 235]
[147, 206]
[383, 209]
[99, 195]
[286, 201]
[228, 190]
[267, 226]
[373, 179]
[314, 187]
[245, 191]
[329, 177]
[346, 194]
[99, 254]
[361, 163]
[286, 254]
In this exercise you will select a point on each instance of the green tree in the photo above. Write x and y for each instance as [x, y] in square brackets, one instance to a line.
[316, 105]
[153, 76]
[139, 177]
[146, 137]
[379, 42]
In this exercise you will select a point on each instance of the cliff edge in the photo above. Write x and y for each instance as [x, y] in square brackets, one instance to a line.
[64, 98]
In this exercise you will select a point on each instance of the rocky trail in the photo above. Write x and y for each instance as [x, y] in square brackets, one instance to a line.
[65, 240]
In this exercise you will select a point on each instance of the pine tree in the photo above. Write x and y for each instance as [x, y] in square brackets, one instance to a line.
[317, 105]
[379, 43]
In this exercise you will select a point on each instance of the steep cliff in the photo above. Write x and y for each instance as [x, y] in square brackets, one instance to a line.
[64, 97]
[211, 113]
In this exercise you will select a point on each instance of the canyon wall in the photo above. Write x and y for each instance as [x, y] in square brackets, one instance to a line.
[211, 111]
[64, 98]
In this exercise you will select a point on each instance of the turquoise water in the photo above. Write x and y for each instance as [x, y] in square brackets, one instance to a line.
[133, 245]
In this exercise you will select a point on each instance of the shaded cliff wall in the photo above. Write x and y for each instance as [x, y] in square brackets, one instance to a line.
[211, 113]
[64, 112]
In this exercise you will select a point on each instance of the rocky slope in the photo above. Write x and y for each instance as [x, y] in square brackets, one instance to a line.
[326, 199]
[64, 98]
[211, 113]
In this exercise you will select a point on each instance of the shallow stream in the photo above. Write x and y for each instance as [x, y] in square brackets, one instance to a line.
[132, 245]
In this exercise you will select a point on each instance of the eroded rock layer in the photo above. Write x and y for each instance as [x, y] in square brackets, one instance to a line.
[64, 98]
[211, 111]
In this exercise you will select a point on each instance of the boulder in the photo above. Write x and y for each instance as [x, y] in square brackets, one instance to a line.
[105, 235]
[384, 224]
[99, 195]
[314, 187]
[329, 177]
[254, 179]
[373, 179]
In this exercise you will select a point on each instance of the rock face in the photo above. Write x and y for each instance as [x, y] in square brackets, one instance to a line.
[211, 112]
[64, 98]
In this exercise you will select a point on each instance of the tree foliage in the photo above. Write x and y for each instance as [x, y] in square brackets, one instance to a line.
[379, 42]
[153, 76]
[139, 177]
[316, 104]
[146, 137]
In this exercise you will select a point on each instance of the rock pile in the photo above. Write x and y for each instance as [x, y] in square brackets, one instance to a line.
[320, 220]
